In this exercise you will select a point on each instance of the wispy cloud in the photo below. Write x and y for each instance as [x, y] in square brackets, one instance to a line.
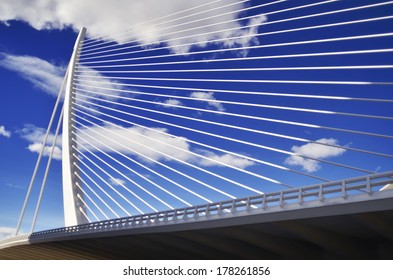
[32, 133]
[246, 36]
[35, 136]
[6, 232]
[209, 98]
[116, 181]
[48, 77]
[204, 97]
[314, 150]
[14, 186]
[92, 83]
[107, 19]
[36, 148]
[227, 159]
[171, 103]
[152, 144]
[104, 88]
[147, 144]
[42, 74]
[4, 132]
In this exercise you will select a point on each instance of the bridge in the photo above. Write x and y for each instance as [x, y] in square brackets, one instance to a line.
[229, 130]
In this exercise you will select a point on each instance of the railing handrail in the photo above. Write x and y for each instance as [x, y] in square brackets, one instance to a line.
[285, 196]
[15, 239]
[366, 184]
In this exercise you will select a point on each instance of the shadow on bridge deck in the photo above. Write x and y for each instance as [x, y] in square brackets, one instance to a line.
[351, 236]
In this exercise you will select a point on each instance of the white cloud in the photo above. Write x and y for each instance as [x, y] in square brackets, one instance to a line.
[143, 143]
[116, 181]
[36, 148]
[105, 86]
[171, 102]
[209, 98]
[133, 137]
[4, 132]
[105, 89]
[6, 232]
[247, 35]
[32, 133]
[225, 159]
[314, 150]
[35, 136]
[48, 76]
[107, 18]
[42, 74]
[14, 186]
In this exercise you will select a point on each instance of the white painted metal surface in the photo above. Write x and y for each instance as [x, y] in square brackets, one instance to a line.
[72, 205]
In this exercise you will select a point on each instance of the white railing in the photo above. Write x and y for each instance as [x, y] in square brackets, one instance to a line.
[342, 189]
[16, 240]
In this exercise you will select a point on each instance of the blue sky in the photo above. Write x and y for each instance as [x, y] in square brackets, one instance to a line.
[35, 48]
[24, 103]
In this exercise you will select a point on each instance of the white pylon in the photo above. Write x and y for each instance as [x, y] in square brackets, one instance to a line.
[73, 206]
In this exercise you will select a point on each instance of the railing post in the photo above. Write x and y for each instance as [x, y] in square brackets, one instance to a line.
[185, 217]
[195, 212]
[321, 196]
[300, 196]
[233, 207]
[165, 218]
[148, 220]
[264, 202]
[219, 212]
[248, 208]
[130, 222]
[156, 218]
[282, 202]
[343, 189]
[208, 214]
[368, 185]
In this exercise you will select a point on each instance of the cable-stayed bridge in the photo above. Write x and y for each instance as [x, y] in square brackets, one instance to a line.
[232, 129]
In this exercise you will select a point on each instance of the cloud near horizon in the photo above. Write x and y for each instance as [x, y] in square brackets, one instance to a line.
[6, 232]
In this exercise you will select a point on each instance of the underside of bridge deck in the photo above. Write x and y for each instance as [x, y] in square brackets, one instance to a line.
[351, 236]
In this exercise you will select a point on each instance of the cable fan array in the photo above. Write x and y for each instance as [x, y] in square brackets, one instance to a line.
[220, 105]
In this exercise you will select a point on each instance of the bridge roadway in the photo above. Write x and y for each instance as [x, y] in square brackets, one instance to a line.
[348, 226]
[359, 228]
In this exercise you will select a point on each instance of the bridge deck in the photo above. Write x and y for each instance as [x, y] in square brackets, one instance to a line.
[352, 236]
[355, 230]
